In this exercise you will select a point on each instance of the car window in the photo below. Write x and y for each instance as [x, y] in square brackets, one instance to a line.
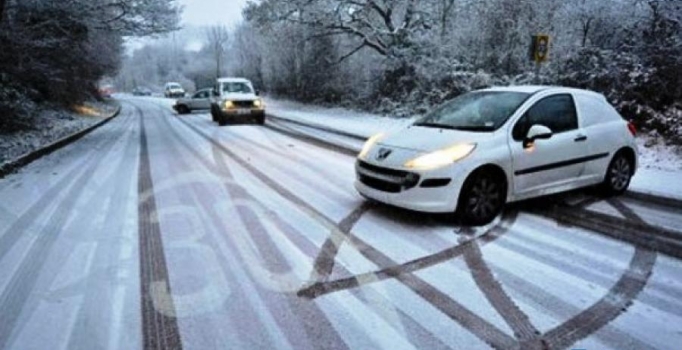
[236, 87]
[475, 111]
[201, 94]
[555, 112]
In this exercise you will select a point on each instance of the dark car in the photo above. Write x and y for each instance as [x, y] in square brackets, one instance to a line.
[141, 91]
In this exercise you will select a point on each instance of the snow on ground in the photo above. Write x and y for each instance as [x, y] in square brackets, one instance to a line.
[50, 126]
[654, 155]
[660, 165]
[354, 122]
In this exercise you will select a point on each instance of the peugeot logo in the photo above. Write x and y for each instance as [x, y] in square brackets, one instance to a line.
[383, 153]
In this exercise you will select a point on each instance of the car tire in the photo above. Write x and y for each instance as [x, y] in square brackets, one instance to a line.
[260, 119]
[222, 120]
[618, 175]
[481, 198]
[214, 116]
[182, 109]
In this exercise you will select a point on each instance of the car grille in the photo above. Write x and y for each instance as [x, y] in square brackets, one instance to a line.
[384, 179]
[243, 104]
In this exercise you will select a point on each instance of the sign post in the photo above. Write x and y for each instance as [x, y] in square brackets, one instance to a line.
[539, 52]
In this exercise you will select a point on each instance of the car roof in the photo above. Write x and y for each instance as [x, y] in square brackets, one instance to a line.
[532, 89]
[233, 80]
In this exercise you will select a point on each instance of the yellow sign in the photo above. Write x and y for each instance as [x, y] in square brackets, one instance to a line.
[540, 48]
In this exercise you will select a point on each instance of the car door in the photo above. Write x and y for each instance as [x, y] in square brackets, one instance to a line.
[547, 164]
[203, 100]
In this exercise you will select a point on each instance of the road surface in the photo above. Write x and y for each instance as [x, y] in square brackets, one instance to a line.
[160, 231]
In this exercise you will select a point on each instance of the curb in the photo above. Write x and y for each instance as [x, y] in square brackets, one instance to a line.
[16, 164]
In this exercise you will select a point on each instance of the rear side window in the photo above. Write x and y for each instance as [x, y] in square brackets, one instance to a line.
[555, 112]
[594, 110]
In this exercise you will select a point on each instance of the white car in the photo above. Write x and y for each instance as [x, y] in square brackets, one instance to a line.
[200, 100]
[236, 99]
[173, 90]
[490, 147]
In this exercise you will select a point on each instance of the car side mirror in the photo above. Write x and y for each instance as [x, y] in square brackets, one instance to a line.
[536, 132]
[215, 93]
[257, 92]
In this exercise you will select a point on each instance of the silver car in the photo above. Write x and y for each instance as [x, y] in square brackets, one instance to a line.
[200, 100]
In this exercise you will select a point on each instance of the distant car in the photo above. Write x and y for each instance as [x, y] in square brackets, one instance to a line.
[234, 99]
[200, 100]
[490, 147]
[173, 90]
[141, 91]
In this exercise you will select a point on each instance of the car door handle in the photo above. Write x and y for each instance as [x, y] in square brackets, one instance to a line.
[580, 138]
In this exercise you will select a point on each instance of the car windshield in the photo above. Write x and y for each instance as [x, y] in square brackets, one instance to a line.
[174, 86]
[237, 87]
[475, 111]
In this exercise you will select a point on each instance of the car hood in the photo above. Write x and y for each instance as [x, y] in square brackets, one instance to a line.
[427, 139]
[239, 97]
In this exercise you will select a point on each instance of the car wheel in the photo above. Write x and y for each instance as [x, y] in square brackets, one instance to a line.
[618, 175]
[213, 114]
[182, 109]
[482, 198]
[260, 120]
[222, 120]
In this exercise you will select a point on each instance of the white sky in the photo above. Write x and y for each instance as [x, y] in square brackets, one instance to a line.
[210, 12]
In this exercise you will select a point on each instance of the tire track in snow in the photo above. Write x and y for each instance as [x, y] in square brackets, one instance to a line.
[94, 292]
[159, 323]
[615, 302]
[323, 287]
[478, 326]
[518, 321]
[411, 329]
[12, 234]
[20, 287]
[312, 319]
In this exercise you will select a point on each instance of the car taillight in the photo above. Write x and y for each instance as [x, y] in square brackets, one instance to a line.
[632, 129]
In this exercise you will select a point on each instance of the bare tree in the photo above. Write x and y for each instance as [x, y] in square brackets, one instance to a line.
[217, 37]
[383, 26]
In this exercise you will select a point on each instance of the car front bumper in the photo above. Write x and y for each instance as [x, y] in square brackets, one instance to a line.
[433, 191]
[243, 113]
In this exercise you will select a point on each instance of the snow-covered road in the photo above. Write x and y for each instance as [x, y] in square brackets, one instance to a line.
[160, 231]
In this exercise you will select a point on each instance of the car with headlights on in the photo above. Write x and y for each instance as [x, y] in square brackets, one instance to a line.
[236, 99]
[489, 147]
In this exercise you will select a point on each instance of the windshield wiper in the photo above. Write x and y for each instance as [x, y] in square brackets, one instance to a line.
[435, 125]
[474, 128]
[459, 127]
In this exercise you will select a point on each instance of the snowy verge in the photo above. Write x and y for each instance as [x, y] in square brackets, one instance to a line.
[659, 173]
[52, 130]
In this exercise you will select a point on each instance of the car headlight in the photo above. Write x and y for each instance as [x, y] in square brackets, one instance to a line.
[441, 157]
[228, 104]
[369, 143]
[258, 104]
